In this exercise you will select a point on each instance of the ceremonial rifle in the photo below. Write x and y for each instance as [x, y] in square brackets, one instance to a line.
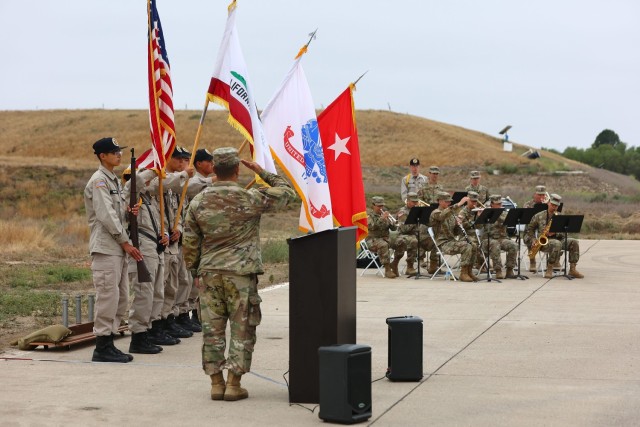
[143, 273]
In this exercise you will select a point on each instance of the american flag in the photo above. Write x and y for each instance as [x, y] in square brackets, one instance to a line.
[161, 118]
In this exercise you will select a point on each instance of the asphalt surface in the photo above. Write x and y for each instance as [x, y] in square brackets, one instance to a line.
[516, 353]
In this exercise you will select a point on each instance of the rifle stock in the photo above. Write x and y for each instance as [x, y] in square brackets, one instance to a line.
[143, 271]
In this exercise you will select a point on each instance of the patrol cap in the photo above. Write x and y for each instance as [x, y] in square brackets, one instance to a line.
[555, 199]
[472, 195]
[541, 189]
[202, 155]
[495, 198]
[443, 195]
[414, 162]
[475, 174]
[106, 145]
[412, 196]
[225, 157]
[434, 169]
[377, 200]
[177, 152]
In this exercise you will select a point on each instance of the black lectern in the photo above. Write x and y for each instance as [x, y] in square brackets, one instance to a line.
[322, 304]
[566, 224]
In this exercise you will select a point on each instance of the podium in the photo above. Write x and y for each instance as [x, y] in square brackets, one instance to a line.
[322, 304]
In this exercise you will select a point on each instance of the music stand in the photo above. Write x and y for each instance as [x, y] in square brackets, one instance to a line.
[489, 216]
[515, 218]
[566, 224]
[457, 196]
[539, 207]
[419, 215]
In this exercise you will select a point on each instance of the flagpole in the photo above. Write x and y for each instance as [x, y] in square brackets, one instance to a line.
[191, 161]
[358, 79]
[303, 49]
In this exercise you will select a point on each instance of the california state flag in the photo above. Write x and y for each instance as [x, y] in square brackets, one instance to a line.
[342, 158]
[291, 126]
[230, 88]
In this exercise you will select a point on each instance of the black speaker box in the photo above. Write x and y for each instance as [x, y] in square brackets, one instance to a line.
[345, 383]
[405, 348]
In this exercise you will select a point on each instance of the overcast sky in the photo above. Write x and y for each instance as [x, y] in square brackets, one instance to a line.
[558, 71]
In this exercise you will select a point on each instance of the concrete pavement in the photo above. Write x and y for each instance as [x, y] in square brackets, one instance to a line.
[520, 352]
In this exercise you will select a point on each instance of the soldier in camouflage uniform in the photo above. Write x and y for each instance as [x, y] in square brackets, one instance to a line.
[474, 185]
[467, 218]
[379, 240]
[413, 181]
[538, 197]
[432, 188]
[447, 229]
[222, 247]
[410, 232]
[500, 242]
[556, 244]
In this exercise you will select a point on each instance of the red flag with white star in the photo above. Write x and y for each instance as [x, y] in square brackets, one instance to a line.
[339, 135]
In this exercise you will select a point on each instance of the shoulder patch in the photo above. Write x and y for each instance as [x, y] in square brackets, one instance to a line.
[100, 183]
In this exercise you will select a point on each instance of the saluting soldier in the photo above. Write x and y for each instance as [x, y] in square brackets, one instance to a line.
[474, 185]
[414, 181]
[109, 246]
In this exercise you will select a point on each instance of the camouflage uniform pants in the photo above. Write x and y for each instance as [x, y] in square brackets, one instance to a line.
[555, 247]
[233, 298]
[426, 245]
[466, 250]
[499, 245]
[381, 246]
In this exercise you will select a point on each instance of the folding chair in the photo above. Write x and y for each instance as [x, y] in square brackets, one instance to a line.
[443, 260]
[369, 257]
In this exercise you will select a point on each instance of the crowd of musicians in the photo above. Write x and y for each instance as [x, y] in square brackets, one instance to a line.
[452, 228]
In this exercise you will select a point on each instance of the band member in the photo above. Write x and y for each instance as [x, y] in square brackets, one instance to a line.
[447, 230]
[467, 217]
[500, 242]
[540, 224]
[538, 197]
[414, 181]
[474, 185]
[432, 188]
[410, 233]
[379, 241]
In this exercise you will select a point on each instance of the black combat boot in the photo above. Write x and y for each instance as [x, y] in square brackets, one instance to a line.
[140, 344]
[173, 329]
[105, 351]
[117, 350]
[194, 317]
[184, 321]
[158, 336]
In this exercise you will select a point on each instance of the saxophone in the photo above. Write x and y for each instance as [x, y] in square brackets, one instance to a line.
[543, 239]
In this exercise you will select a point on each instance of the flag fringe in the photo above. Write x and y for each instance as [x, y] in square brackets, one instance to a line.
[230, 119]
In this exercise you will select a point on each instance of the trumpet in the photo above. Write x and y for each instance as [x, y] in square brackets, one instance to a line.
[390, 217]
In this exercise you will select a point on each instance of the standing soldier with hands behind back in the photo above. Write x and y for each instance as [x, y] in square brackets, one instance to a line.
[221, 246]
[413, 181]
[109, 246]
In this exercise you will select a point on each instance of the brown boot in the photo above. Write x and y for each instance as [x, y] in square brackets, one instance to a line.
[388, 272]
[433, 267]
[498, 273]
[464, 274]
[470, 273]
[509, 274]
[234, 391]
[532, 265]
[217, 386]
[549, 273]
[394, 264]
[410, 270]
[575, 273]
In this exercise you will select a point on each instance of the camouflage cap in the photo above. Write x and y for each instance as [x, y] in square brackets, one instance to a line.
[541, 189]
[377, 200]
[555, 199]
[475, 174]
[225, 156]
[495, 198]
[414, 162]
[412, 196]
[434, 169]
[472, 195]
[443, 195]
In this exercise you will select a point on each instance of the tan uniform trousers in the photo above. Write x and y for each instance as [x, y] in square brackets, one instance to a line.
[171, 271]
[185, 283]
[148, 297]
[112, 292]
[193, 297]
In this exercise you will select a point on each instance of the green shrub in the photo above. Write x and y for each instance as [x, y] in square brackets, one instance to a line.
[275, 251]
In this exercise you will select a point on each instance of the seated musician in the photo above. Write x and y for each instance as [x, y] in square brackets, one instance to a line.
[380, 222]
[540, 224]
[500, 242]
[468, 215]
[410, 233]
[539, 196]
[447, 230]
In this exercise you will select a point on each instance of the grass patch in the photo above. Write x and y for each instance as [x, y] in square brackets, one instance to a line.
[29, 277]
[275, 251]
[20, 302]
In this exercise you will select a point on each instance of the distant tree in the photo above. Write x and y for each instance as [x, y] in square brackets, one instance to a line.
[607, 137]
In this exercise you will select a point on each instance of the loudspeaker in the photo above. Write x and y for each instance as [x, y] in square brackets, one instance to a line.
[345, 383]
[405, 348]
